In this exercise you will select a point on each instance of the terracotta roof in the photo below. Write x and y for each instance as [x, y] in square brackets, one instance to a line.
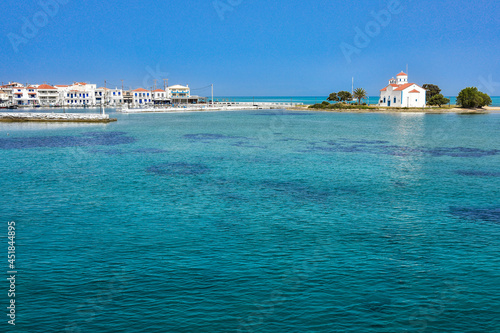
[31, 88]
[45, 87]
[159, 90]
[385, 89]
[403, 86]
[81, 83]
[61, 85]
[102, 88]
[141, 90]
[415, 91]
[401, 74]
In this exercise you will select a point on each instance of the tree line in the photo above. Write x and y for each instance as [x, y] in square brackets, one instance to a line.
[469, 97]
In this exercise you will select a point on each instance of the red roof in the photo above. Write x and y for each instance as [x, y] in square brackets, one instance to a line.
[31, 88]
[401, 74]
[385, 89]
[45, 87]
[159, 90]
[403, 86]
[415, 91]
[141, 89]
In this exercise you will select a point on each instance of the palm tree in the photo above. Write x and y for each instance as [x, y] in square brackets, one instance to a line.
[359, 94]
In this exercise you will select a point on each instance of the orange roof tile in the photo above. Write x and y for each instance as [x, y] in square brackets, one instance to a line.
[403, 86]
[415, 91]
[159, 90]
[385, 89]
[45, 87]
[141, 90]
[401, 74]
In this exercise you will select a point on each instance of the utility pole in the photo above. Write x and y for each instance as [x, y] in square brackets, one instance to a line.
[155, 84]
[122, 85]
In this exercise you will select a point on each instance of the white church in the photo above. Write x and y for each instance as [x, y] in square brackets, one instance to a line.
[400, 93]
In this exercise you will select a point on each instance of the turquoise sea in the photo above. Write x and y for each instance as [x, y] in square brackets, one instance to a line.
[254, 221]
[318, 99]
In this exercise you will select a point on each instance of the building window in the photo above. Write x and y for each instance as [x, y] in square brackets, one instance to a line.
[394, 99]
[384, 99]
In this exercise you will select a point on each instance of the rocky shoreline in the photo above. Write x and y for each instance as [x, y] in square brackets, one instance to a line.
[56, 117]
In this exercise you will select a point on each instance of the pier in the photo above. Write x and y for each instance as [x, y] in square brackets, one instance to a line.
[218, 106]
[56, 117]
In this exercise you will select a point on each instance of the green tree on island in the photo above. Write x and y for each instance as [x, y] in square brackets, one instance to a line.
[471, 97]
[333, 97]
[344, 96]
[438, 99]
[359, 94]
[431, 91]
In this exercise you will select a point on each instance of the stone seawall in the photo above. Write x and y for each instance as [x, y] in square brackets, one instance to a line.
[56, 117]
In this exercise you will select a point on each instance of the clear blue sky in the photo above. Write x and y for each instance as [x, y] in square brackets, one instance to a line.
[261, 48]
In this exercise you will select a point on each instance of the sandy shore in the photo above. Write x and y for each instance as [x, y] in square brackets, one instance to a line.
[485, 110]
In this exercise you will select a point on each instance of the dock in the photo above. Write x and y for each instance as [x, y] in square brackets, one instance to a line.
[55, 117]
[228, 106]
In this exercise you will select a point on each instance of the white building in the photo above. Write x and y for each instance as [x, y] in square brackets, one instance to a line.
[79, 94]
[25, 96]
[106, 96]
[48, 95]
[141, 97]
[179, 94]
[400, 93]
[161, 96]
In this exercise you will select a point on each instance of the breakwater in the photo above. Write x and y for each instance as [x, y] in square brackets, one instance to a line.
[55, 117]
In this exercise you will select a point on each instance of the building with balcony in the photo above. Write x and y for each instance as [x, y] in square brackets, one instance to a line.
[48, 95]
[179, 94]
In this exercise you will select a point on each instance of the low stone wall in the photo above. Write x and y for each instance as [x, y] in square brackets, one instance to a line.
[55, 117]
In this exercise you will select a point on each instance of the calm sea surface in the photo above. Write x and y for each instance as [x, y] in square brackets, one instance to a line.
[255, 221]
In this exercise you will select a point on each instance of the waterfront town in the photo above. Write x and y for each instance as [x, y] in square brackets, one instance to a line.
[81, 94]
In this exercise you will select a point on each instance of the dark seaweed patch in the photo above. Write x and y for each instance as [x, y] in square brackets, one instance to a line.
[134, 151]
[382, 148]
[84, 140]
[210, 137]
[482, 214]
[178, 168]
[475, 173]
[460, 152]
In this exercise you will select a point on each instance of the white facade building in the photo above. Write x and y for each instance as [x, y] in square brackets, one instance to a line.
[141, 97]
[48, 95]
[179, 94]
[25, 96]
[400, 93]
[106, 96]
[161, 96]
[79, 94]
